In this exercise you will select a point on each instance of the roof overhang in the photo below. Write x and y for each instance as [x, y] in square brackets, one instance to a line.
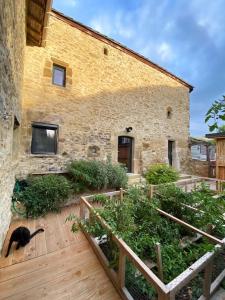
[218, 135]
[36, 21]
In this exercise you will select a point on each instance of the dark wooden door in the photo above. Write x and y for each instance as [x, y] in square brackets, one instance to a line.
[125, 145]
[170, 152]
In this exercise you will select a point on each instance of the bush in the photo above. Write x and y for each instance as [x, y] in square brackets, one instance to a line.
[88, 175]
[161, 173]
[96, 175]
[117, 176]
[44, 194]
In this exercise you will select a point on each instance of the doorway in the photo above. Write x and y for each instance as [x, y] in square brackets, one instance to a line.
[171, 145]
[125, 151]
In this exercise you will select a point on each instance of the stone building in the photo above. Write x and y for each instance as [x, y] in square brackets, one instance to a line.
[16, 29]
[86, 96]
[67, 92]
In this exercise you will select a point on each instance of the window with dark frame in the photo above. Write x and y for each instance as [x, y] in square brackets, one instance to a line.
[59, 75]
[44, 138]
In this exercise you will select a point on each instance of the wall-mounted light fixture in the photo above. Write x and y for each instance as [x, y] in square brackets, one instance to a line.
[129, 129]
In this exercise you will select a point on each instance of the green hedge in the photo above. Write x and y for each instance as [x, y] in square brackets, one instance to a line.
[44, 194]
[161, 173]
[94, 175]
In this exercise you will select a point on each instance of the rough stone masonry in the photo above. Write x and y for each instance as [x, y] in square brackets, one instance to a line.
[106, 91]
[12, 45]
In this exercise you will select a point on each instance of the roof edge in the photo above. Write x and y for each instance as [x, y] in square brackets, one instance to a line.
[216, 135]
[117, 45]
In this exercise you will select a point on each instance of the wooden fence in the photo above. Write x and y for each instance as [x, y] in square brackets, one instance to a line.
[164, 291]
[191, 183]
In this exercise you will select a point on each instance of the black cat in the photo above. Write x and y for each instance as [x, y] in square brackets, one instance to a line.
[22, 236]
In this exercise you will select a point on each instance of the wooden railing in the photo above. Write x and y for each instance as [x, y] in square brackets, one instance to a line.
[165, 292]
[191, 183]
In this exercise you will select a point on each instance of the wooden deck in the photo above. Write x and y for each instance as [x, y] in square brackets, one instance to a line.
[56, 264]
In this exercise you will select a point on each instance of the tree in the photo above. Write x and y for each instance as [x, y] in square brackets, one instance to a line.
[216, 113]
[221, 129]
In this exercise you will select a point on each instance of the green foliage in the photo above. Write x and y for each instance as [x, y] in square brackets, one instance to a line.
[137, 222]
[96, 175]
[88, 175]
[44, 194]
[221, 129]
[216, 113]
[172, 200]
[117, 177]
[161, 173]
[100, 198]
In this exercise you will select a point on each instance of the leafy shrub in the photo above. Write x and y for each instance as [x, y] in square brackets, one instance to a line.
[161, 173]
[88, 175]
[96, 175]
[171, 198]
[117, 177]
[100, 198]
[138, 223]
[44, 194]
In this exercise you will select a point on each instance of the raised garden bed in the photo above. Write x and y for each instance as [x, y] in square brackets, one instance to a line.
[141, 278]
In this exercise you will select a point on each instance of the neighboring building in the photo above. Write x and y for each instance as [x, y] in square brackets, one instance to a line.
[16, 21]
[203, 152]
[86, 96]
[203, 149]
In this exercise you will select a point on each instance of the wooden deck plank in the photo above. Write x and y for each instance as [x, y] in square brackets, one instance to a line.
[57, 264]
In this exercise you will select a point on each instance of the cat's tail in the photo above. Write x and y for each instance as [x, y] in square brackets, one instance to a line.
[10, 244]
[36, 232]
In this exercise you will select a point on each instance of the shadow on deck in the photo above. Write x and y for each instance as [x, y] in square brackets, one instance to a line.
[56, 264]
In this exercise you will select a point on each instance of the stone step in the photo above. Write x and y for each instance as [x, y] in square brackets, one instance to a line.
[133, 175]
[135, 179]
[185, 176]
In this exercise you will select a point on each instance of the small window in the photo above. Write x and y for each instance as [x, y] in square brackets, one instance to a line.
[169, 113]
[59, 75]
[44, 138]
[105, 51]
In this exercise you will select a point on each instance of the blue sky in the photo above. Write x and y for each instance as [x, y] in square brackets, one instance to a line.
[185, 37]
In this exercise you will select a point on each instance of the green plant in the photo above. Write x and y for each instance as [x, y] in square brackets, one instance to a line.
[216, 113]
[44, 193]
[117, 176]
[96, 175]
[136, 220]
[88, 175]
[100, 198]
[161, 173]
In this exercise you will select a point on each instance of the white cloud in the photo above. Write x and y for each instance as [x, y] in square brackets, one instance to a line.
[165, 52]
[103, 25]
[113, 25]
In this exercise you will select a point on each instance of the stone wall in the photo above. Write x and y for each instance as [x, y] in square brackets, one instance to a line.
[199, 168]
[12, 44]
[104, 94]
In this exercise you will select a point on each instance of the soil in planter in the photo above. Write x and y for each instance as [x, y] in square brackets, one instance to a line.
[111, 254]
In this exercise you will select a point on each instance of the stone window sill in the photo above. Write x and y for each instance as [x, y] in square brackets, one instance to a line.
[43, 155]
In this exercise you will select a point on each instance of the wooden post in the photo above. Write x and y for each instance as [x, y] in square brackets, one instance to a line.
[217, 186]
[122, 269]
[185, 187]
[121, 194]
[207, 280]
[151, 192]
[159, 260]
[82, 210]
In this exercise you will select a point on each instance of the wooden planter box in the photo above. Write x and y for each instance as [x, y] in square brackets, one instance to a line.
[164, 291]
